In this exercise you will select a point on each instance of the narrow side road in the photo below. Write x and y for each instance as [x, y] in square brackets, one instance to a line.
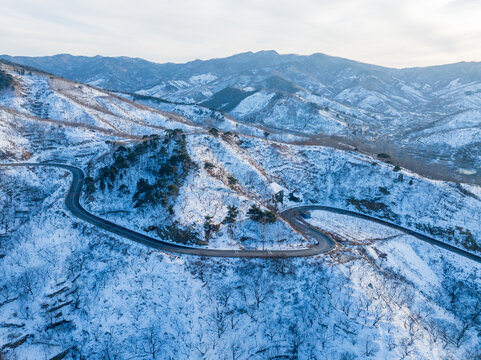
[292, 216]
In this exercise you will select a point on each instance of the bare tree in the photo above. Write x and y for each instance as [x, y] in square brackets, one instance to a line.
[218, 320]
[406, 347]
[369, 347]
[224, 294]
[236, 349]
[259, 291]
[151, 343]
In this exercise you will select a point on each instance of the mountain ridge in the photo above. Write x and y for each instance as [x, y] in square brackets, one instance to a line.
[430, 115]
[244, 53]
[72, 290]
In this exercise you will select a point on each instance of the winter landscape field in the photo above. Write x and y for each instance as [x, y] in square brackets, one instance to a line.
[262, 205]
[280, 282]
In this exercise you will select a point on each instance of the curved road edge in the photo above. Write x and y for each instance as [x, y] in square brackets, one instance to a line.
[291, 215]
[425, 238]
[72, 203]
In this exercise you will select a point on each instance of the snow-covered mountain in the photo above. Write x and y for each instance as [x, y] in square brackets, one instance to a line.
[425, 118]
[72, 290]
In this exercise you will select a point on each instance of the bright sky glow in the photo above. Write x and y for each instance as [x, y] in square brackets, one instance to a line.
[385, 32]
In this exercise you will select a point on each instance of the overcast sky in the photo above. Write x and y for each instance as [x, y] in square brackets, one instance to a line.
[396, 33]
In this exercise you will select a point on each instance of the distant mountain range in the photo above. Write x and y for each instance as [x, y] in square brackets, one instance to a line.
[72, 288]
[430, 114]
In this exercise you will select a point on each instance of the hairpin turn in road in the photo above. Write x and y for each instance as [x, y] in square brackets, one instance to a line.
[323, 242]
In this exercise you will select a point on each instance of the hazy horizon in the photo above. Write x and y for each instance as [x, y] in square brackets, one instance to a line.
[227, 56]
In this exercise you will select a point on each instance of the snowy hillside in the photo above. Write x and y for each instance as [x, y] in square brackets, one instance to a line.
[426, 119]
[76, 290]
[70, 290]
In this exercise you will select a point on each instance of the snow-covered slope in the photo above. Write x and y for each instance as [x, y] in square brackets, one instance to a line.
[67, 287]
[71, 290]
[412, 114]
[212, 171]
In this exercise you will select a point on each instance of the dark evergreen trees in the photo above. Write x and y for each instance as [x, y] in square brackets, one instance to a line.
[231, 216]
[264, 217]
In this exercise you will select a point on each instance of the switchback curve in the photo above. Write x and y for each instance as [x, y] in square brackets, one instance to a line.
[292, 216]
[72, 203]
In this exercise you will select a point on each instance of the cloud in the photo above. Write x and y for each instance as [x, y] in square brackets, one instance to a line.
[390, 33]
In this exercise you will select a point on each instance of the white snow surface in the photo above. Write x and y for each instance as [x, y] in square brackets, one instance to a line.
[68, 286]
[351, 228]
[122, 299]
[202, 78]
[252, 103]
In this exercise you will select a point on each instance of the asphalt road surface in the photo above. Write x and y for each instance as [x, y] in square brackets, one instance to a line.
[323, 242]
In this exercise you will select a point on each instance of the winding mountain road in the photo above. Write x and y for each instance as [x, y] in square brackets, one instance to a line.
[292, 216]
